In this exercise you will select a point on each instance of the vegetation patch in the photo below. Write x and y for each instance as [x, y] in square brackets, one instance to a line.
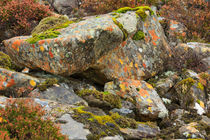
[23, 120]
[48, 28]
[139, 35]
[5, 61]
[47, 83]
[113, 101]
[125, 33]
[105, 125]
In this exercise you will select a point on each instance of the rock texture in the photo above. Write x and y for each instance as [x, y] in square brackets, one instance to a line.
[101, 48]
[141, 94]
[16, 84]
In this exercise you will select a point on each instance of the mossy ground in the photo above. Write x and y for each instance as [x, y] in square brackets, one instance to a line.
[47, 83]
[104, 125]
[112, 100]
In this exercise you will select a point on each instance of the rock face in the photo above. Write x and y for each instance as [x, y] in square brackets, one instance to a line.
[16, 84]
[98, 46]
[146, 100]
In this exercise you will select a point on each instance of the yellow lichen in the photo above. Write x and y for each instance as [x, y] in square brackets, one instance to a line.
[200, 86]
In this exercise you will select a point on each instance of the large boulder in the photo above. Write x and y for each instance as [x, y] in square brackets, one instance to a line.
[105, 47]
[148, 105]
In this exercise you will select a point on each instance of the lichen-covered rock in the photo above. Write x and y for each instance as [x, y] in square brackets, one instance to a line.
[101, 46]
[59, 94]
[16, 84]
[143, 131]
[146, 100]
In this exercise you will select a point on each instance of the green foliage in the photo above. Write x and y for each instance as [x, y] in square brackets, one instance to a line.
[138, 35]
[23, 119]
[5, 61]
[112, 99]
[47, 83]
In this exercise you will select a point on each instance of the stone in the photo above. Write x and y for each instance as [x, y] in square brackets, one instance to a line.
[205, 120]
[146, 100]
[124, 112]
[190, 131]
[16, 84]
[73, 129]
[117, 137]
[143, 131]
[61, 95]
[105, 51]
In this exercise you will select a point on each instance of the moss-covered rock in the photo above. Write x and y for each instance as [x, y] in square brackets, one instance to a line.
[49, 23]
[103, 125]
[125, 33]
[138, 35]
[100, 99]
[47, 83]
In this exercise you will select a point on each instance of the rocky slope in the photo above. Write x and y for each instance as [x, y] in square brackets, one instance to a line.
[114, 76]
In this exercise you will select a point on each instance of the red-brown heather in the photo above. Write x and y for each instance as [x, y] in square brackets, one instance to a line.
[194, 14]
[23, 119]
[17, 15]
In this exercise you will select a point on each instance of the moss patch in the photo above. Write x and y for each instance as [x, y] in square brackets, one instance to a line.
[49, 23]
[125, 33]
[105, 125]
[47, 83]
[124, 10]
[48, 28]
[139, 35]
[189, 82]
[200, 86]
[5, 61]
[113, 101]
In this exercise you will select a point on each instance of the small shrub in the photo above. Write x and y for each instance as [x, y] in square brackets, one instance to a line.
[17, 15]
[23, 119]
[194, 14]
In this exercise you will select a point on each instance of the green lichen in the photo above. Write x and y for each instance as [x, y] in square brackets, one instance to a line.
[113, 100]
[139, 35]
[125, 33]
[5, 61]
[188, 81]
[200, 86]
[47, 83]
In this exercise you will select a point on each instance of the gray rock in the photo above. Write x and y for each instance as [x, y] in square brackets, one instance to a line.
[73, 129]
[117, 137]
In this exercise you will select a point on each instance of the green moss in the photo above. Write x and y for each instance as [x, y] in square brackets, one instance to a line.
[47, 83]
[49, 23]
[138, 35]
[124, 10]
[5, 61]
[151, 124]
[113, 100]
[189, 82]
[200, 86]
[141, 11]
[48, 28]
[44, 35]
[198, 101]
[125, 33]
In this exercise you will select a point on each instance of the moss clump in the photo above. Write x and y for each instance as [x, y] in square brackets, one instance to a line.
[112, 100]
[49, 23]
[125, 33]
[189, 82]
[48, 30]
[138, 35]
[200, 86]
[44, 35]
[5, 61]
[47, 83]
[124, 10]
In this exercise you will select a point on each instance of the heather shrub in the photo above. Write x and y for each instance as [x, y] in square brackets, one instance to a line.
[105, 6]
[194, 14]
[20, 15]
[23, 119]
